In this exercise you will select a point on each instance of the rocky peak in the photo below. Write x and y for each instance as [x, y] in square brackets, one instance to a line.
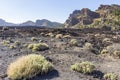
[83, 16]
[85, 11]
[105, 10]
[105, 15]
[104, 7]
[88, 12]
[109, 7]
[76, 12]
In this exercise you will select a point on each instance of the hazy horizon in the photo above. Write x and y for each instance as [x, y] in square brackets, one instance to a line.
[18, 11]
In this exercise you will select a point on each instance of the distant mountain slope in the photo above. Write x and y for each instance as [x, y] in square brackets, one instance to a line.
[27, 23]
[39, 23]
[47, 23]
[104, 16]
[4, 23]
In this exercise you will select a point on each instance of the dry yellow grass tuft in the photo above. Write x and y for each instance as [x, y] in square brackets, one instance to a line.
[110, 76]
[116, 54]
[66, 36]
[59, 36]
[88, 46]
[84, 67]
[5, 42]
[38, 47]
[34, 39]
[107, 40]
[12, 46]
[112, 50]
[73, 42]
[50, 35]
[28, 66]
[104, 51]
[17, 43]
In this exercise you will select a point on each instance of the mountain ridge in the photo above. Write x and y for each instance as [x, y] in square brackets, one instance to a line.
[104, 16]
[38, 23]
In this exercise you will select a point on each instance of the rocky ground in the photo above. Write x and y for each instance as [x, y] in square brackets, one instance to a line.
[61, 53]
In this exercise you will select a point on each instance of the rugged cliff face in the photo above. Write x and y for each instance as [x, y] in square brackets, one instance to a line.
[105, 15]
[84, 16]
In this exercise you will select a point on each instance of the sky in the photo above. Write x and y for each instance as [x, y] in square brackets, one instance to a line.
[18, 11]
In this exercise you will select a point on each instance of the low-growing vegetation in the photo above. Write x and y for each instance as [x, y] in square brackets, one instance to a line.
[25, 45]
[116, 54]
[66, 36]
[12, 46]
[112, 50]
[104, 51]
[110, 76]
[34, 39]
[73, 42]
[50, 35]
[5, 42]
[107, 41]
[59, 36]
[28, 66]
[88, 46]
[17, 43]
[38, 46]
[84, 67]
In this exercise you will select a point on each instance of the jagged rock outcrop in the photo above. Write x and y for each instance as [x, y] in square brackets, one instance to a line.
[84, 16]
[109, 7]
[105, 10]
[105, 15]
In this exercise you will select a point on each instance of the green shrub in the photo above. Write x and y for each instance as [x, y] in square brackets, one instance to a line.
[59, 36]
[5, 42]
[116, 12]
[17, 43]
[25, 45]
[116, 54]
[88, 46]
[104, 51]
[42, 33]
[38, 47]
[107, 40]
[113, 50]
[115, 37]
[10, 40]
[84, 67]
[33, 39]
[66, 36]
[97, 35]
[110, 76]
[73, 42]
[12, 47]
[28, 66]
[52, 40]
[30, 46]
[50, 34]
